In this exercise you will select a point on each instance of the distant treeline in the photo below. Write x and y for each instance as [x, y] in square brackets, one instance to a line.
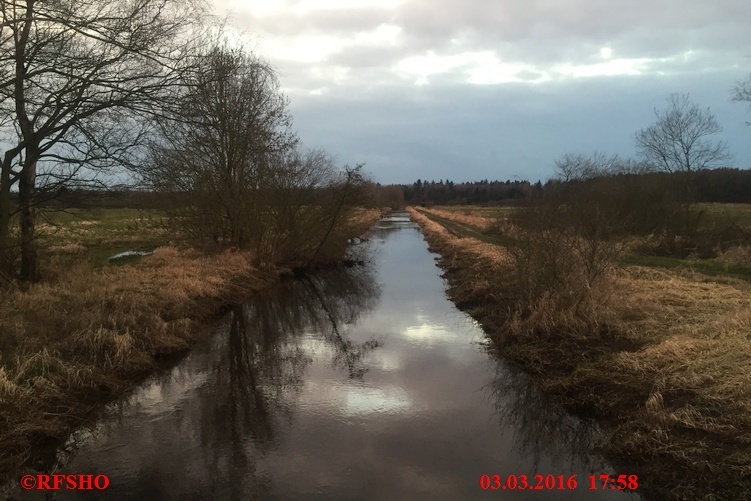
[370, 195]
[723, 185]
[87, 198]
[480, 192]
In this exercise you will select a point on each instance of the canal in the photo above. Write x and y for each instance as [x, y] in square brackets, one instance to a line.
[360, 384]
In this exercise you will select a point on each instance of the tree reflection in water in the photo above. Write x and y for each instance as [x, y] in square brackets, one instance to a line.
[336, 312]
[198, 430]
[260, 373]
[541, 428]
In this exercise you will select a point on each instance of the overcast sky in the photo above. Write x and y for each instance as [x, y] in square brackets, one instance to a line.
[496, 89]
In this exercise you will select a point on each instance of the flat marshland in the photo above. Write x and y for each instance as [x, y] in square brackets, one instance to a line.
[94, 327]
[659, 352]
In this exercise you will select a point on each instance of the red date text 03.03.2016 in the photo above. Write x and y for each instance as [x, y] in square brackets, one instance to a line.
[494, 482]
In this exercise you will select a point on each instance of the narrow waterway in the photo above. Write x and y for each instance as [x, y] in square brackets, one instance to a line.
[362, 384]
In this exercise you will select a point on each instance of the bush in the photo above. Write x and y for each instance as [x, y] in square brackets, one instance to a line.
[561, 257]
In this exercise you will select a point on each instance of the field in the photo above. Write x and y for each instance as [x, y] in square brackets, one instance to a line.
[484, 223]
[714, 214]
[659, 354]
[491, 212]
[96, 235]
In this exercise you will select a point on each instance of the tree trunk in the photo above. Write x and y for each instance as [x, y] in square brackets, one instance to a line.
[27, 179]
[5, 264]
[27, 197]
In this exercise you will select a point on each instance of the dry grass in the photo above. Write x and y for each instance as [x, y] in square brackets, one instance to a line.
[697, 369]
[663, 358]
[479, 249]
[366, 217]
[88, 334]
[466, 217]
[700, 344]
[67, 248]
[736, 254]
[90, 330]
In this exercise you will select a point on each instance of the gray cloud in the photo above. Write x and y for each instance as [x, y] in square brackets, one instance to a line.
[404, 102]
[331, 22]
[514, 130]
[536, 22]
[367, 57]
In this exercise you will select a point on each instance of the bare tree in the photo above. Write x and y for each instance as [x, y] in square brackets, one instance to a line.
[231, 161]
[80, 79]
[677, 142]
[579, 167]
[742, 92]
[221, 145]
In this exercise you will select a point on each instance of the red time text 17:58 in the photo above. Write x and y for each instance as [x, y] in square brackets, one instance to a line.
[494, 482]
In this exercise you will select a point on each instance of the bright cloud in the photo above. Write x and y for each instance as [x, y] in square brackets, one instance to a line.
[610, 68]
[415, 88]
[305, 6]
[482, 67]
[318, 48]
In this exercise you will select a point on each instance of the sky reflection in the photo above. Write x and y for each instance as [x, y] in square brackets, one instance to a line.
[363, 384]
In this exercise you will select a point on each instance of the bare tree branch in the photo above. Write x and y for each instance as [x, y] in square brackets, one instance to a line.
[79, 81]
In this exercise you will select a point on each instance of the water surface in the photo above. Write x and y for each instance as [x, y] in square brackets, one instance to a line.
[362, 384]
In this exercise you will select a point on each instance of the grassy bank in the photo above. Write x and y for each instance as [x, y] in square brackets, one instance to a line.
[93, 329]
[661, 357]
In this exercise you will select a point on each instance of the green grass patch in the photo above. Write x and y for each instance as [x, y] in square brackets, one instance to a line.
[95, 235]
[717, 215]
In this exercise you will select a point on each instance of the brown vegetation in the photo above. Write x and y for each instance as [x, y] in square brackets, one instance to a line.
[661, 358]
[87, 334]
[466, 217]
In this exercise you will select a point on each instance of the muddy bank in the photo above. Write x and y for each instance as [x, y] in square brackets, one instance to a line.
[683, 434]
